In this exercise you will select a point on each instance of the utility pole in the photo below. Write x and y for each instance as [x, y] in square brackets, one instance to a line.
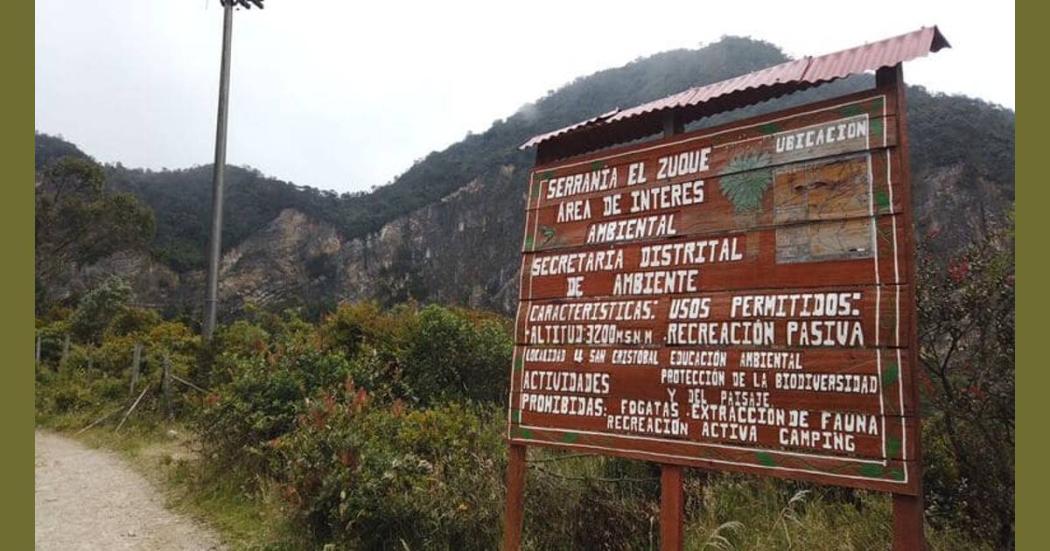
[219, 167]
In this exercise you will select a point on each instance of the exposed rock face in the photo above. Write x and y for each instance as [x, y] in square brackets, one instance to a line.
[463, 249]
[954, 206]
[287, 259]
[155, 284]
[460, 250]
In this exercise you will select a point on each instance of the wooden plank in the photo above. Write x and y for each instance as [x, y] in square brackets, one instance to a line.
[875, 102]
[822, 432]
[840, 375]
[837, 188]
[846, 252]
[689, 158]
[890, 476]
[848, 317]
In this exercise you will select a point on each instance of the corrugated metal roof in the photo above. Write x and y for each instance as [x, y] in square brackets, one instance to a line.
[764, 84]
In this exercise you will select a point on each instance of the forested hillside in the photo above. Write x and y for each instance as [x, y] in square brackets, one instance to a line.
[422, 235]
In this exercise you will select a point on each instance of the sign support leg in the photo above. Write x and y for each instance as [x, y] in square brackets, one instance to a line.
[512, 518]
[908, 523]
[907, 510]
[672, 508]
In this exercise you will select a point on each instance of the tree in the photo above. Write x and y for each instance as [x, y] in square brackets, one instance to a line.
[78, 222]
[98, 308]
[966, 322]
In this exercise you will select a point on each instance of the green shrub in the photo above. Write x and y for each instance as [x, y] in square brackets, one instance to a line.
[260, 404]
[133, 321]
[366, 477]
[449, 356]
[114, 355]
[98, 308]
[355, 327]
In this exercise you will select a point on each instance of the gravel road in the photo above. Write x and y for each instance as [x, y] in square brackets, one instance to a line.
[89, 499]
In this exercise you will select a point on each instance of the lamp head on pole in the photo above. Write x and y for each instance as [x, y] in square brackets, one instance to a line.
[247, 4]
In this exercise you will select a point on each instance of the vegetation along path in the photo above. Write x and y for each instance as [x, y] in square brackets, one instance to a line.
[89, 499]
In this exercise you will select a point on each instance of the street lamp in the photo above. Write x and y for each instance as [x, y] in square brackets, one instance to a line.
[219, 167]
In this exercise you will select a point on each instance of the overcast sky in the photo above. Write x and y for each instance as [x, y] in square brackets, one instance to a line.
[345, 95]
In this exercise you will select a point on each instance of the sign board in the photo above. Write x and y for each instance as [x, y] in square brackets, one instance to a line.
[734, 298]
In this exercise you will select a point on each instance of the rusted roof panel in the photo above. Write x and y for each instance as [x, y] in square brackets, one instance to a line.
[756, 87]
[869, 57]
[785, 72]
[582, 124]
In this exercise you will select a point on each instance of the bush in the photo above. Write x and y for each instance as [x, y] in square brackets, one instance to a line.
[365, 477]
[355, 327]
[449, 357]
[966, 319]
[261, 403]
[98, 308]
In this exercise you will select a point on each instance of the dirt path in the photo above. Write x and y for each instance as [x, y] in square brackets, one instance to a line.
[89, 499]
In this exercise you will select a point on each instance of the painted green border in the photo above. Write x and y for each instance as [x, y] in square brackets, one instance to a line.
[1032, 196]
[16, 296]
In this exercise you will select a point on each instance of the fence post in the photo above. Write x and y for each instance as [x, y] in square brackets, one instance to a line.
[136, 357]
[65, 353]
[166, 387]
[37, 355]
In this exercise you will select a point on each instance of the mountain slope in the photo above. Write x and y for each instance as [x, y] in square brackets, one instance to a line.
[449, 228]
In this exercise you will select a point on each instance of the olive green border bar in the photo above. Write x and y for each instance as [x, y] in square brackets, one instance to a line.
[16, 279]
[1033, 257]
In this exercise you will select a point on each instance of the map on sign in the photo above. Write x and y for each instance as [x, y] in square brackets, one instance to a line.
[731, 298]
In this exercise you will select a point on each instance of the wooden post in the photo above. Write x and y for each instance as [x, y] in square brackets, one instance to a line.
[136, 357]
[907, 523]
[37, 355]
[672, 508]
[908, 517]
[514, 515]
[65, 353]
[672, 123]
[165, 385]
[672, 498]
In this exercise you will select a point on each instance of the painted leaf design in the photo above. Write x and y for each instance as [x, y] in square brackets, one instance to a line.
[893, 446]
[876, 127]
[548, 233]
[871, 470]
[889, 376]
[745, 181]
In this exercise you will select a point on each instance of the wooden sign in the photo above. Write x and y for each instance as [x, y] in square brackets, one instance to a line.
[735, 298]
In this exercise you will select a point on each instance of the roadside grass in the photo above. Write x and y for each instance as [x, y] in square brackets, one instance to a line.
[166, 454]
[724, 512]
[737, 512]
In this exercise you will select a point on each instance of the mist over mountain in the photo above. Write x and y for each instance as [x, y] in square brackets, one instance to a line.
[449, 228]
